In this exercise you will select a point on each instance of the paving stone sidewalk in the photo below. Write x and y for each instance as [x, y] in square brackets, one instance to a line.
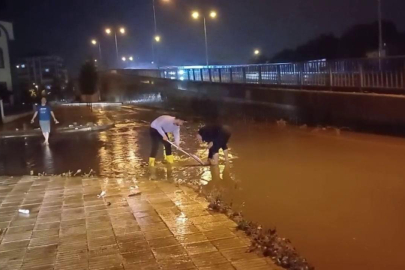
[70, 228]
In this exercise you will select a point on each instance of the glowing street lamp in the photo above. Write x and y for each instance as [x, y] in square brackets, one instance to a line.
[157, 39]
[213, 15]
[195, 15]
[257, 52]
[131, 58]
[95, 43]
[121, 30]
[124, 58]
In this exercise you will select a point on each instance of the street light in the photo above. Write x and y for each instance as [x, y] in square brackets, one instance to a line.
[196, 15]
[257, 52]
[131, 58]
[124, 58]
[157, 38]
[122, 30]
[380, 35]
[95, 43]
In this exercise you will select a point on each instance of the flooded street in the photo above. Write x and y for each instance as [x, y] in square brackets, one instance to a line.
[339, 197]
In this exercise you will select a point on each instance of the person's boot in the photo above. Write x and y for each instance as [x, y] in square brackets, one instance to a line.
[151, 162]
[169, 159]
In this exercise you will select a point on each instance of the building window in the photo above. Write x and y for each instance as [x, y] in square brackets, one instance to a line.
[1, 58]
[47, 70]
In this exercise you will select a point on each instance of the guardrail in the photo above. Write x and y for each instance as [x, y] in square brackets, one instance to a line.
[385, 73]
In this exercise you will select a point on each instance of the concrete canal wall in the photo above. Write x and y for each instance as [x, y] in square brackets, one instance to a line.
[378, 112]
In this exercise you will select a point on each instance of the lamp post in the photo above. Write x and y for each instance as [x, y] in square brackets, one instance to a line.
[122, 31]
[380, 34]
[256, 52]
[156, 36]
[196, 16]
[95, 43]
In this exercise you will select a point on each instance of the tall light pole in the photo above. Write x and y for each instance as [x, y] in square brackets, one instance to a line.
[380, 34]
[156, 36]
[121, 30]
[95, 43]
[195, 16]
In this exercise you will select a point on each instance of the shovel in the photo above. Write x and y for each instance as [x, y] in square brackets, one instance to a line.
[188, 154]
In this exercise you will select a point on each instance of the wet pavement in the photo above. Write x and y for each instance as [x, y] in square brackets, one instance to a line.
[337, 195]
[69, 227]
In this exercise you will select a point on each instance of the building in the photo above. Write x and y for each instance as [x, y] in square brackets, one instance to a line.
[42, 73]
[6, 84]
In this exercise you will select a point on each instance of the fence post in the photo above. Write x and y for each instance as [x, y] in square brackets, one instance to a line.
[279, 74]
[330, 75]
[209, 74]
[244, 74]
[219, 75]
[230, 75]
[361, 74]
[301, 74]
[260, 74]
[201, 73]
[193, 74]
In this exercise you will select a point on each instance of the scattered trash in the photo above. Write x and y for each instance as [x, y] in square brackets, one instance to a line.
[70, 126]
[108, 203]
[24, 211]
[78, 171]
[16, 129]
[281, 123]
[136, 193]
[76, 128]
[31, 173]
[102, 194]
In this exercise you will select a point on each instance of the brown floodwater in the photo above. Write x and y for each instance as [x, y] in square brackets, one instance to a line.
[338, 196]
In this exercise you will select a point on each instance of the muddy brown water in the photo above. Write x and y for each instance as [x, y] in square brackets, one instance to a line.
[340, 198]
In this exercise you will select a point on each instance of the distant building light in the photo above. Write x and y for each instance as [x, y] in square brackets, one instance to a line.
[48, 87]
[181, 72]
[22, 66]
[152, 62]
[181, 78]
[17, 66]
[47, 70]
[33, 83]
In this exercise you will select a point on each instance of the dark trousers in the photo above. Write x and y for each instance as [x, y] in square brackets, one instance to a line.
[156, 139]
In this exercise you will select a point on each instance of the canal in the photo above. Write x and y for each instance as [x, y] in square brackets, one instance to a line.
[337, 195]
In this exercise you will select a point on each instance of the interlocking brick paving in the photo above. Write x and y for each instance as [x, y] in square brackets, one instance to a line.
[70, 228]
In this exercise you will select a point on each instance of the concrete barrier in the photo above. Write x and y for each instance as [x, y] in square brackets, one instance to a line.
[378, 112]
[11, 118]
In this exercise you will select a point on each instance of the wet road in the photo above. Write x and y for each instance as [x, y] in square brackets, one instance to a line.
[338, 197]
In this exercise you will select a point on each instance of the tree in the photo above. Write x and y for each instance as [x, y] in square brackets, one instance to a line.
[88, 78]
[356, 42]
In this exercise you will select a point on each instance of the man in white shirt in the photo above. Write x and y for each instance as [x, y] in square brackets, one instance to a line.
[159, 130]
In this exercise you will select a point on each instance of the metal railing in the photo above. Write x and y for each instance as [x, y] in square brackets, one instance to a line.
[371, 73]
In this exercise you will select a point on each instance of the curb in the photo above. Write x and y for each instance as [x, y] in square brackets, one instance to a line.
[35, 133]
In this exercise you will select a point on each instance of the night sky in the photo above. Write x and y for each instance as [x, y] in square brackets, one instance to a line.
[65, 27]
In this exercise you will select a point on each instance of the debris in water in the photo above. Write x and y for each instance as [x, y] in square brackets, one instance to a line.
[136, 193]
[78, 171]
[24, 211]
[303, 127]
[102, 194]
[281, 123]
